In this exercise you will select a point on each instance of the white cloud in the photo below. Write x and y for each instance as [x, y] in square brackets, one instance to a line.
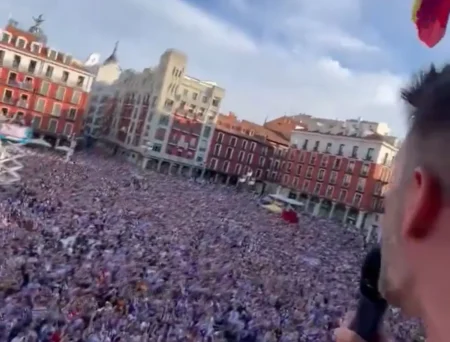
[288, 68]
[270, 80]
[194, 22]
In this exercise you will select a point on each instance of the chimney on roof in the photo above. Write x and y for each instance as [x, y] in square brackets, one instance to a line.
[232, 115]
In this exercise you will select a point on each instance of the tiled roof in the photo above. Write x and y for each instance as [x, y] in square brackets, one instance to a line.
[243, 128]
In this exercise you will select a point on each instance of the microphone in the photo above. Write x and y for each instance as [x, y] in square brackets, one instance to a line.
[371, 305]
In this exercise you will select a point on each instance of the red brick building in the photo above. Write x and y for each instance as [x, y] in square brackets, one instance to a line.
[339, 175]
[334, 171]
[45, 88]
[239, 148]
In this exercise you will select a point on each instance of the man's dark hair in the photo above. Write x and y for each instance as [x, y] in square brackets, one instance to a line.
[428, 139]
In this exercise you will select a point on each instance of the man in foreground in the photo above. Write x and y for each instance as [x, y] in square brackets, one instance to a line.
[416, 233]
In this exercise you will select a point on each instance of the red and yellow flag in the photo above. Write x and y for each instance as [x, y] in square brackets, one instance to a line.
[431, 17]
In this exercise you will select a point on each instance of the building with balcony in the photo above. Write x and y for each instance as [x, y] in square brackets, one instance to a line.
[240, 148]
[237, 149]
[163, 118]
[42, 87]
[341, 173]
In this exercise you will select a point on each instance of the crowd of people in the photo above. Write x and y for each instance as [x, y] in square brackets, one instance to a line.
[95, 250]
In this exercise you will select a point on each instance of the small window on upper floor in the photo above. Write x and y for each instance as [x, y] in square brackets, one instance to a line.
[21, 43]
[216, 102]
[65, 76]
[6, 37]
[80, 81]
[52, 54]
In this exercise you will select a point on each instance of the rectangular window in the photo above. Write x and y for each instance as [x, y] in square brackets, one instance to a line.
[369, 155]
[306, 186]
[213, 164]
[40, 105]
[5, 37]
[207, 132]
[43, 90]
[220, 138]
[317, 188]
[346, 181]
[330, 190]
[52, 54]
[65, 76]
[355, 152]
[357, 200]
[316, 146]
[36, 122]
[56, 110]
[52, 125]
[321, 175]
[333, 177]
[60, 92]
[80, 81]
[68, 129]
[238, 169]
[350, 166]
[72, 114]
[217, 149]
[342, 195]
[361, 184]
[32, 67]
[49, 71]
[164, 120]
[16, 61]
[35, 48]
[229, 153]
[309, 172]
[76, 96]
[226, 166]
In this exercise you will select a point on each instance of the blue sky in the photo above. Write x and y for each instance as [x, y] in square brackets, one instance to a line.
[329, 58]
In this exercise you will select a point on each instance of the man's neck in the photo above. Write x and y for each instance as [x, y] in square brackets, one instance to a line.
[436, 310]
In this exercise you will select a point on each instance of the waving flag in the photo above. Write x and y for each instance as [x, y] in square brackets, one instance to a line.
[431, 17]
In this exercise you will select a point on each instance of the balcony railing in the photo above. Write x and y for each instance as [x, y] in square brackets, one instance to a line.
[19, 67]
[9, 100]
[23, 85]
[22, 103]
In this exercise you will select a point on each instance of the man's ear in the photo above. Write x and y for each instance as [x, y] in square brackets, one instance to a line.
[423, 203]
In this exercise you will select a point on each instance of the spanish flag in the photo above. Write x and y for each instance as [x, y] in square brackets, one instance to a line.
[431, 17]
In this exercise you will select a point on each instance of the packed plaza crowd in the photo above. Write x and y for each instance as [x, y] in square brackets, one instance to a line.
[93, 251]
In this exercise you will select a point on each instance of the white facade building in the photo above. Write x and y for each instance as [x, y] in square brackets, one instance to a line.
[161, 106]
